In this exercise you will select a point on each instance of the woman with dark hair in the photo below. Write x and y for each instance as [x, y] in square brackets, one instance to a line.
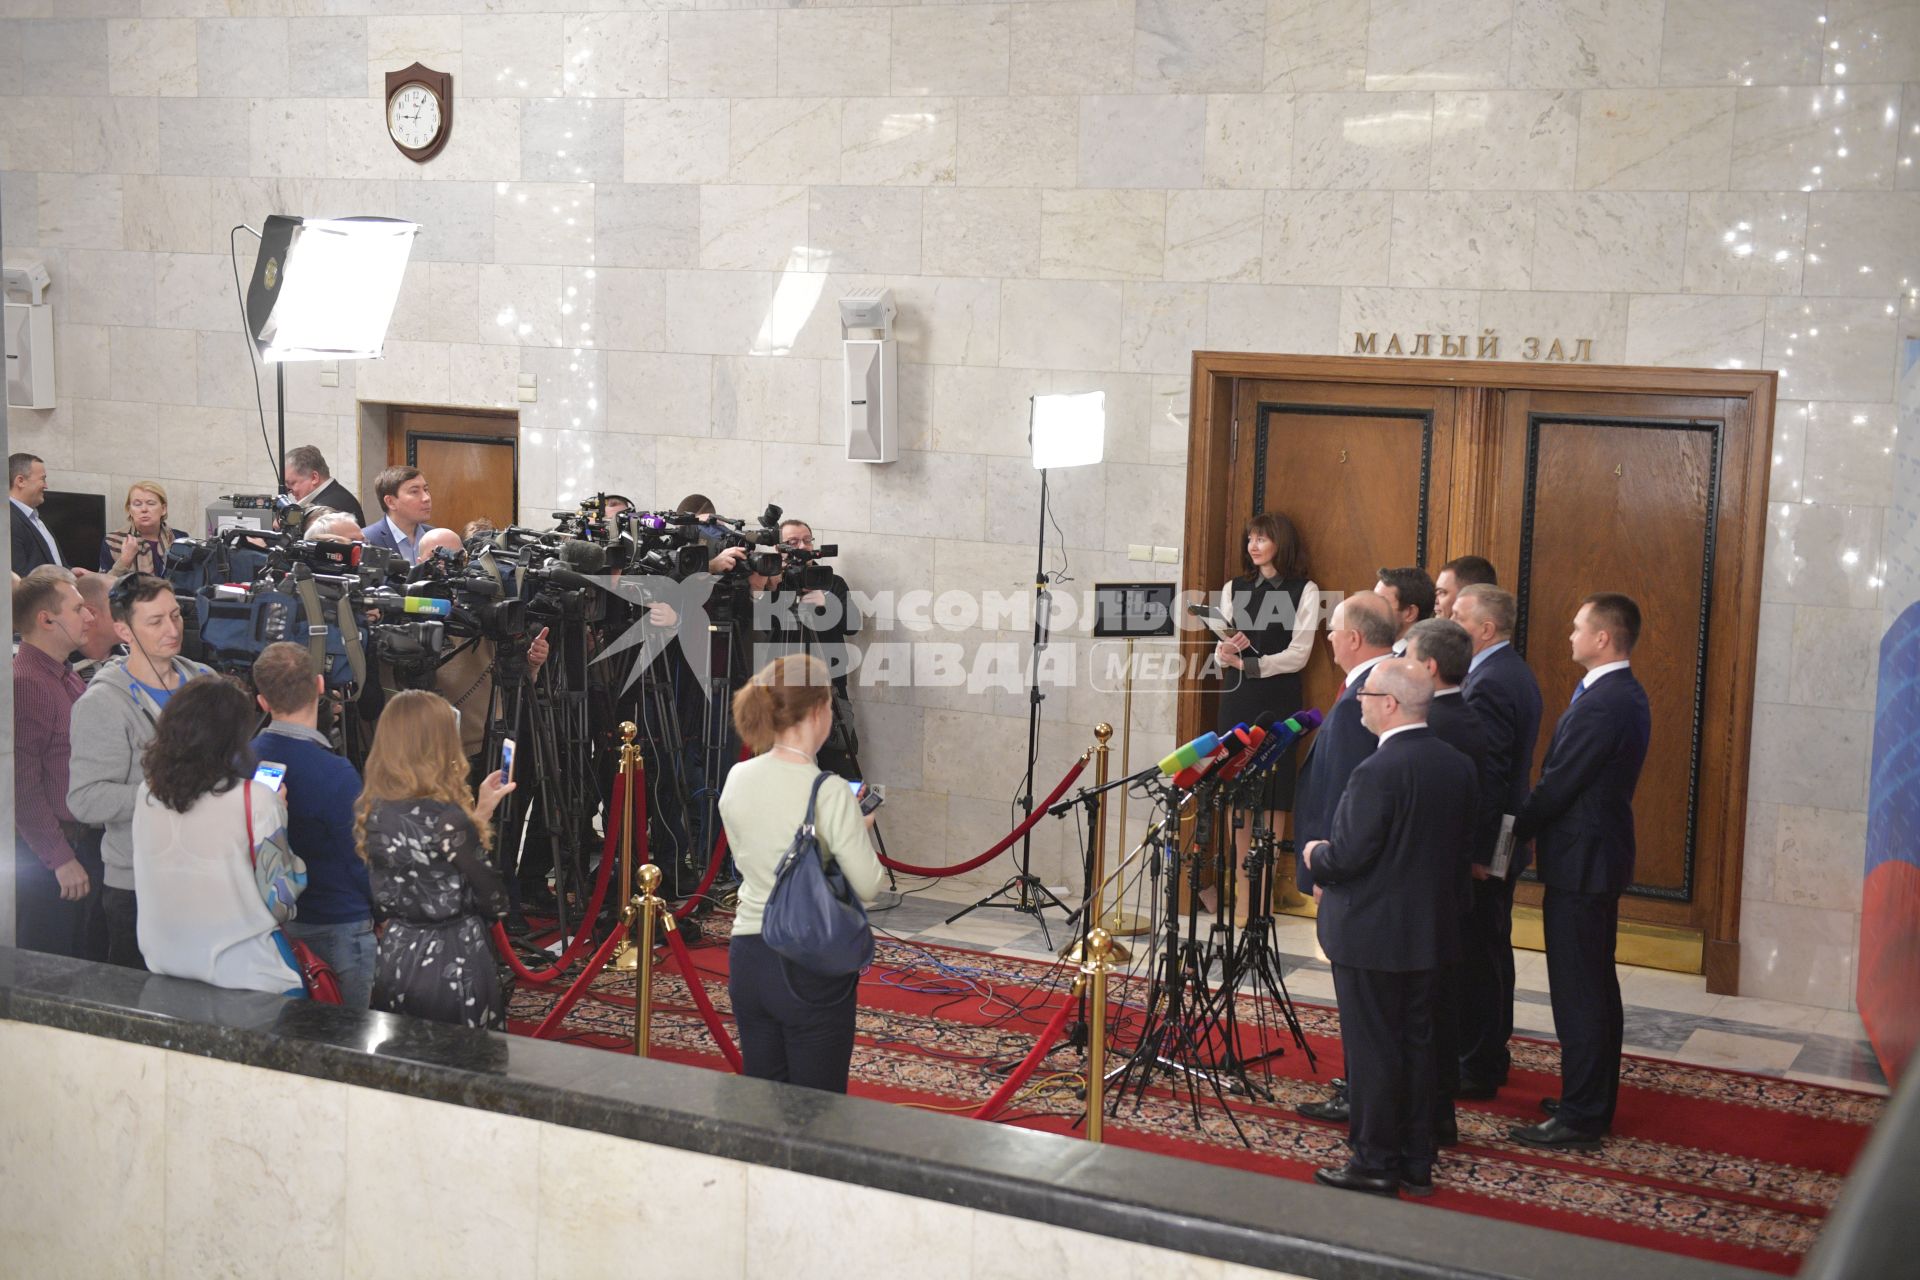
[196, 821]
[1276, 607]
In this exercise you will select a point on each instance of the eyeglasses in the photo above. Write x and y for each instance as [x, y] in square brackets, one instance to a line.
[1370, 693]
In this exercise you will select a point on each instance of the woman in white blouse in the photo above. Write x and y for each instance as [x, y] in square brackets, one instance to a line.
[1276, 607]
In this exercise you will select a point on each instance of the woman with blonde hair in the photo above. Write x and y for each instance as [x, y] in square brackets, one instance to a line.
[795, 1025]
[424, 836]
[142, 546]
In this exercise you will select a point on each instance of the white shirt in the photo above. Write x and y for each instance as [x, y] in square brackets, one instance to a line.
[1442, 693]
[1484, 654]
[1306, 625]
[1602, 670]
[46, 535]
[201, 915]
[1360, 672]
[1401, 728]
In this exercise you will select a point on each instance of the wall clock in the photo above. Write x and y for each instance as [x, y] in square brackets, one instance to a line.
[419, 111]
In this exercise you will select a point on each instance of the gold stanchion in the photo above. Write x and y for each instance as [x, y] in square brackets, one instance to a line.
[1119, 923]
[642, 910]
[1102, 734]
[1098, 964]
[624, 957]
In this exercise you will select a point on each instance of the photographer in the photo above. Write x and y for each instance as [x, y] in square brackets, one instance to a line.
[112, 724]
[812, 612]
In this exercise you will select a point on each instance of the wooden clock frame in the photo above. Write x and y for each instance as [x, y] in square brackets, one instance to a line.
[438, 82]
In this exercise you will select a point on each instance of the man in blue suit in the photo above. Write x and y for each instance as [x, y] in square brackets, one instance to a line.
[1360, 633]
[1390, 877]
[1581, 813]
[1501, 690]
[407, 504]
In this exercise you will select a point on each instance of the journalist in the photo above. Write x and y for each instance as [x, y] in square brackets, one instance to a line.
[424, 836]
[112, 724]
[142, 546]
[311, 483]
[407, 506]
[795, 1025]
[98, 644]
[465, 679]
[320, 787]
[198, 819]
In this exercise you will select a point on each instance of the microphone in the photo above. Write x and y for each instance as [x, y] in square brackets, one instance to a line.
[1206, 764]
[1252, 740]
[1190, 754]
[432, 606]
[1284, 735]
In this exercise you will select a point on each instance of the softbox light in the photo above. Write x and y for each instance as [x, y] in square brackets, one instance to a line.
[1069, 429]
[325, 288]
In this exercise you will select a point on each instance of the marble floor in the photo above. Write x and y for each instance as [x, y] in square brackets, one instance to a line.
[1668, 1015]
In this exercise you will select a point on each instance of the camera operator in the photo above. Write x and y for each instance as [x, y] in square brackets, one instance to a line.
[811, 612]
[466, 679]
[408, 506]
[312, 484]
[334, 526]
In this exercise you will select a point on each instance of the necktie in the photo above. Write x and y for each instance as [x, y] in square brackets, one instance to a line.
[46, 536]
[1577, 691]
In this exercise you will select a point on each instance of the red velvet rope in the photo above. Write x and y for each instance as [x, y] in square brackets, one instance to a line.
[551, 1023]
[608, 855]
[728, 1049]
[1018, 1077]
[1039, 812]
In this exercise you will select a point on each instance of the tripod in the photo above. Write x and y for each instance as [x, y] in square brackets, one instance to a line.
[1178, 1022]
[1256, 961]
[1031, 895]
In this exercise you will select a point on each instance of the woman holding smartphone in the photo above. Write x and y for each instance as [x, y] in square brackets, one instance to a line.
[142, 546]
[196, 821]
[424, 835]
[795, 1025]
[1275, 608]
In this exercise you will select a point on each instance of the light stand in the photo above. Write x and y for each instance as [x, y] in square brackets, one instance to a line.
[1067, 430]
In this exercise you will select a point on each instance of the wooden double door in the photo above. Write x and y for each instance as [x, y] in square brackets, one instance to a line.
[1570, 480]
[471, 458]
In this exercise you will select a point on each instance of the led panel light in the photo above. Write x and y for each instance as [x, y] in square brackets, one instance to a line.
[325, 288]
[1069, 429]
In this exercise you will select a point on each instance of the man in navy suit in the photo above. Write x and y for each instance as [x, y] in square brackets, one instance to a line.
[1389, 918]
[1581, 813]
[33, 543]
[1501, 690]
[1360, 632]
[1443, 651]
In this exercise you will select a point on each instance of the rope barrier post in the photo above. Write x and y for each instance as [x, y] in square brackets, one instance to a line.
[1097, 966]
[646, 907]
[625, 959]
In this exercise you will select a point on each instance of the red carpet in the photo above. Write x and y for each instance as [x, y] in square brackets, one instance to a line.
[1714, 1164]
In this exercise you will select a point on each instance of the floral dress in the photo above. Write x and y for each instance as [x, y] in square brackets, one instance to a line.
[435, 890]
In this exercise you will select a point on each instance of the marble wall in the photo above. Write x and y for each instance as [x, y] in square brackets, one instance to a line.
[652, 212]
[120, 1160]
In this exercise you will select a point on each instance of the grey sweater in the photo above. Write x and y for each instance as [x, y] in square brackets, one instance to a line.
[112, 724]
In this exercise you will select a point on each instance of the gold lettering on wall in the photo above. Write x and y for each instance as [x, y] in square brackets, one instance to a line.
[1465, 346]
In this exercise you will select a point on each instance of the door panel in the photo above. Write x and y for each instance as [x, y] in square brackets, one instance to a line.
[1352, 468]
[470, 461]
[1626, 508]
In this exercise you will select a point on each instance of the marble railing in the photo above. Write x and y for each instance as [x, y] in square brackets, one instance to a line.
[155, 1126]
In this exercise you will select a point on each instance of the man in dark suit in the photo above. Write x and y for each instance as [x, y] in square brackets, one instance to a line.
[1581, 812]
[1389, 913]
[33, 543]
[1409, 593]
[408, 503]
[1360, 632]
[312, 484]
[1443, 651]
[1501, 690]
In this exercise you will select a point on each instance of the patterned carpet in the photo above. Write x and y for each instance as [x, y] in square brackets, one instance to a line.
[1714, 1164]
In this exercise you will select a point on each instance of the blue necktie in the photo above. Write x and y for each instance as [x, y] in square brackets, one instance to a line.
[1577, 691]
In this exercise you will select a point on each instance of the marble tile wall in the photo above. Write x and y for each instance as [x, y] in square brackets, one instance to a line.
[653, 212]
[202, 1174]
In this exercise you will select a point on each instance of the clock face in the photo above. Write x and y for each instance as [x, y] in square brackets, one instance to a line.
[413, 115]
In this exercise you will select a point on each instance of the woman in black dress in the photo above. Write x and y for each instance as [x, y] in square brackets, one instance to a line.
[425, 838]
[1277, 609]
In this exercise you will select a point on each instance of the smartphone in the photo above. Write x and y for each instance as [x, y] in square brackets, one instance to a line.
[869, 800]
[271, 772]
[506, 760]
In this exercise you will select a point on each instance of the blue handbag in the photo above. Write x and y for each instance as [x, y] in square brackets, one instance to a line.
[812, 918]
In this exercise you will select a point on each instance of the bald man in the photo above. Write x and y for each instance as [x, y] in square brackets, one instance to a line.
[1361, 632]
[1389, 879]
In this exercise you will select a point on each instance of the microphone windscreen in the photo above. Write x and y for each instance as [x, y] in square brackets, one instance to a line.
[583, 557]
[1190, 753]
